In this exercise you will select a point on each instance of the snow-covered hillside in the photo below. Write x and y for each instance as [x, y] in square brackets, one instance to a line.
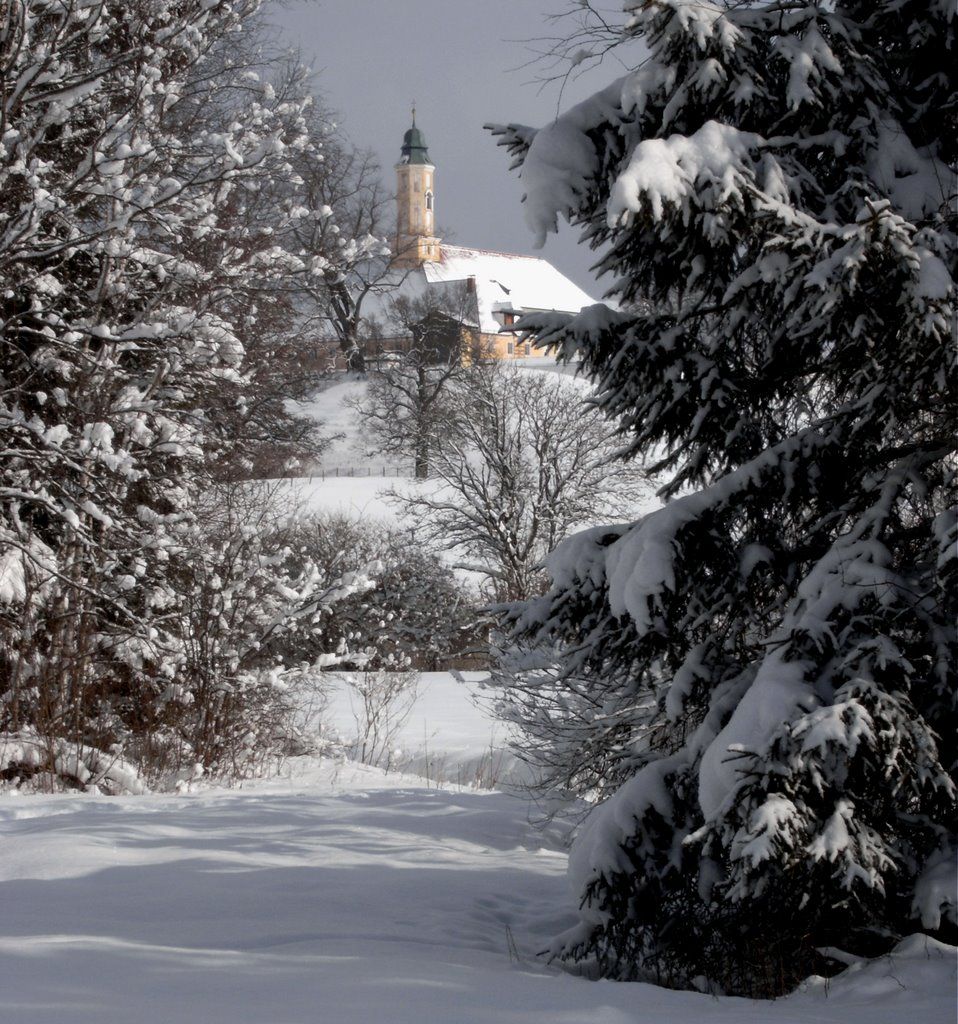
[351, 479]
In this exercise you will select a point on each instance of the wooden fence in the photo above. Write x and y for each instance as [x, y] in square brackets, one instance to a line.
[332, 472]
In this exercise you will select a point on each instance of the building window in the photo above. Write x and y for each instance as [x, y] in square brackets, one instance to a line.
[417, 184]
[528, 348]
[429, 200]
[508, 319]
[510, 348]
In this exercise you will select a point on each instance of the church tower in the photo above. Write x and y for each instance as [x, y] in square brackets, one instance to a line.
[415, 202]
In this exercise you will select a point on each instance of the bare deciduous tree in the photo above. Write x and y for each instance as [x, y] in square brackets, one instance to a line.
[340, 234]
[523, 461]
[434, 347]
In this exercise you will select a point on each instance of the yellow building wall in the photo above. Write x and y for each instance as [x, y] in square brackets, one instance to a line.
[416, 215]
[510, 346]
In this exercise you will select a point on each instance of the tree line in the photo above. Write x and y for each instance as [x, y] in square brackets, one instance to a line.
[176, 210]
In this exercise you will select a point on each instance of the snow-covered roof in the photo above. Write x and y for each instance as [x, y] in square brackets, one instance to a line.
[504, 283]
[507, 283]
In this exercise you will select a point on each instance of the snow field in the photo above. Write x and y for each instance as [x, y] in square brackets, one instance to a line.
[337, 894]
[447, 737]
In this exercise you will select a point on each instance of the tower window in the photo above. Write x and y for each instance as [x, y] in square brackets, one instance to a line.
[429, 200]
[417, 184]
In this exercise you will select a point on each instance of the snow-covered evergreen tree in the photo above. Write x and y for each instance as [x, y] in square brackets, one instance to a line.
[776, 183]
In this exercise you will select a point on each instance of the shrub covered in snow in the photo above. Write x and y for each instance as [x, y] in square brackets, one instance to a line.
[414, 614]
[146, 213]
[28, 762]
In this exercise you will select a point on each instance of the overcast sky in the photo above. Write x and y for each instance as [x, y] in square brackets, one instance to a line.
[461, 61]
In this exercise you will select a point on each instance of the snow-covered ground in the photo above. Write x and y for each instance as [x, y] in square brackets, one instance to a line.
[338, 894]
[335, 893]
[446, 734]
[352, 481]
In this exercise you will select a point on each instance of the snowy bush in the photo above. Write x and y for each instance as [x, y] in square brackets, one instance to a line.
[381, 702]
[29, 762]
[415, 614]
[146, 242]
[771, 656]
